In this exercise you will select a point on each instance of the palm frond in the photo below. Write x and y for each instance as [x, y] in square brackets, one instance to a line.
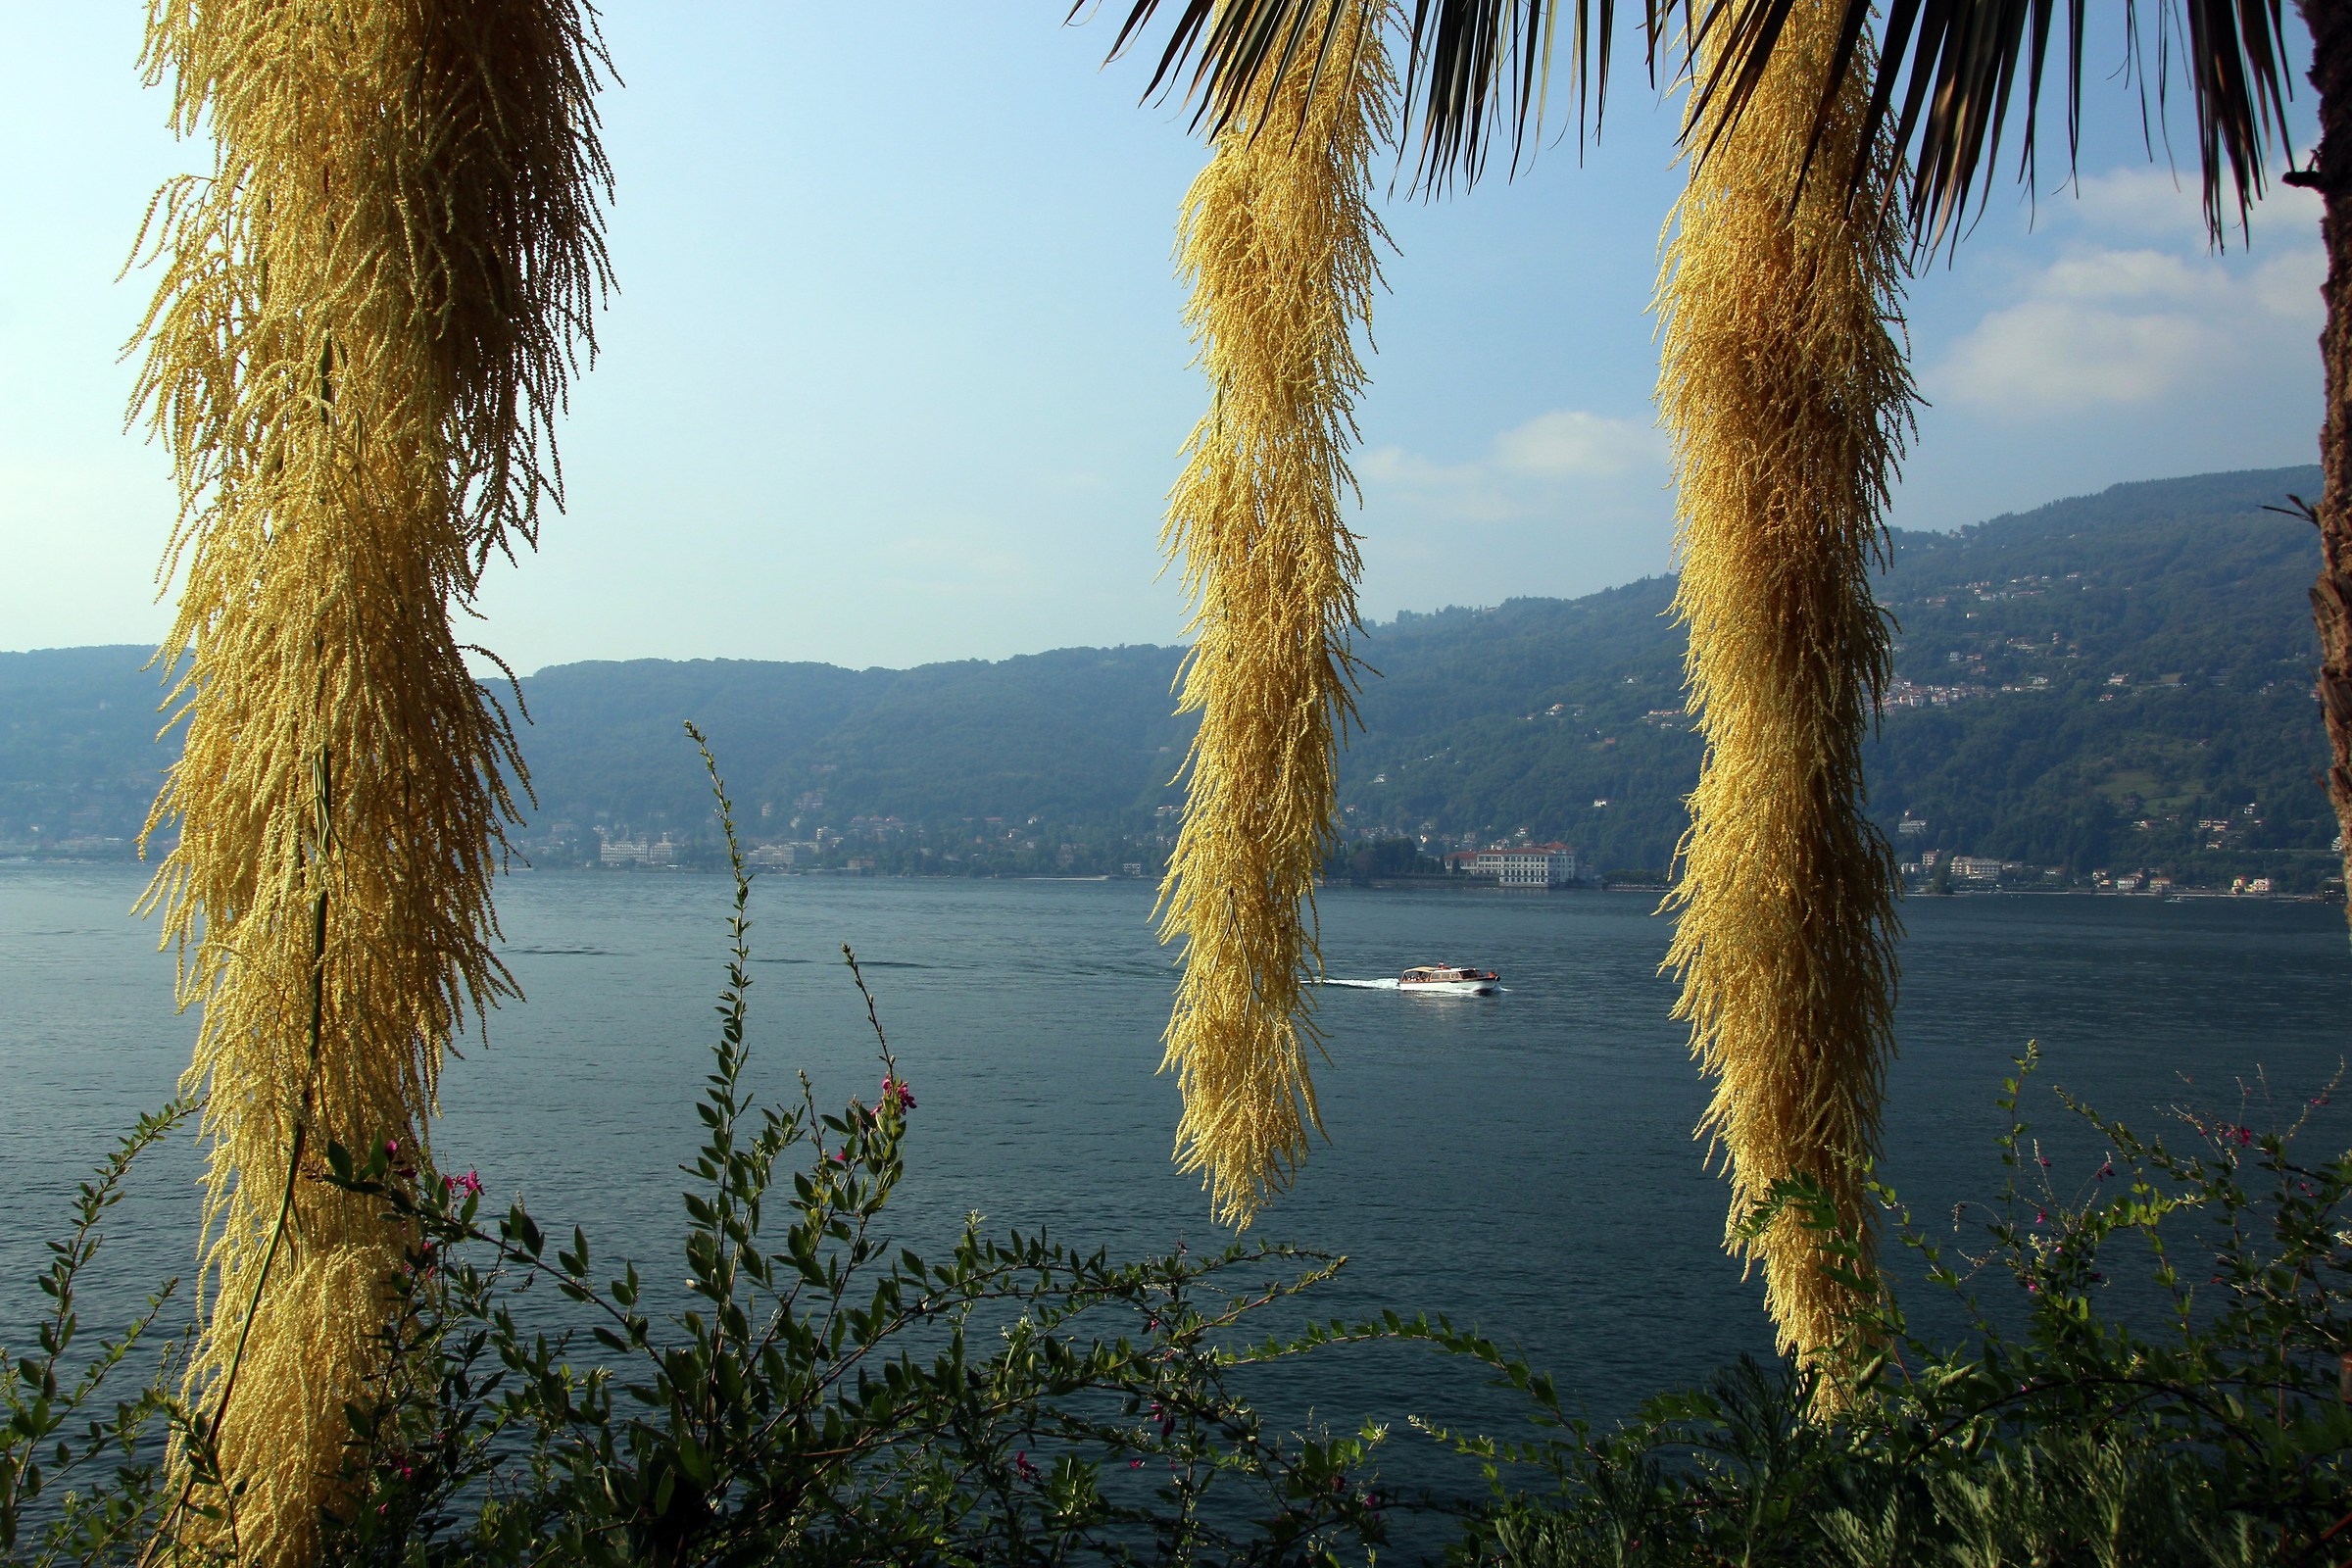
[1476, 68]
[1947, 80]
[1949, 69]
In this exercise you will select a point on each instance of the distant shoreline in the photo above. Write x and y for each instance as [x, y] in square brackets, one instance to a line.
[1423, 884]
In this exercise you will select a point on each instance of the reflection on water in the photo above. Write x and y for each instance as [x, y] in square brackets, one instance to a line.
[1525, 1162]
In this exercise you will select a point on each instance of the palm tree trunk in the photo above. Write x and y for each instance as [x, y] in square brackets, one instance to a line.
[2330, 25]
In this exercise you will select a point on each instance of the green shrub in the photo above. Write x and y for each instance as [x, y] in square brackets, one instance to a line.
[60, 1441]
[2058, 1432]
[825, 1398]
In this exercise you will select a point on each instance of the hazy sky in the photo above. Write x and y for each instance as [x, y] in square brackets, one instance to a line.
[896, 371]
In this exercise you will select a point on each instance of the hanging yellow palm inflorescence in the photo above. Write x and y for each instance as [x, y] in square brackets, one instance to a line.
[1784, 389]
[1278, 237]
[367, 319]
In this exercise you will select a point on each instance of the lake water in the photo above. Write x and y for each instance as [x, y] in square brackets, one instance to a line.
[1522, 1162]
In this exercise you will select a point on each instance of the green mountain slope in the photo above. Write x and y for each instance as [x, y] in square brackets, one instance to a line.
[1076, 736]
[2008, 635]
[2092, 684]
[2126, 665]
[78, 759]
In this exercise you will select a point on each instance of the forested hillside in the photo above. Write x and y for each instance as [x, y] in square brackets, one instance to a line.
[2092, 684]
[2076, 685]
[2133, 664]
[1080, 738]
[79, 762]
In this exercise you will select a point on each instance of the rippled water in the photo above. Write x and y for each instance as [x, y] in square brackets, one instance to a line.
[1524, 1161]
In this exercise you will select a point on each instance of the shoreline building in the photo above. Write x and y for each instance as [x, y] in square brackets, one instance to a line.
[1520, 865]
[613, 851]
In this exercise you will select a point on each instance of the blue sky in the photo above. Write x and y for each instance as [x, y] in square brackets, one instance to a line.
[896, 371]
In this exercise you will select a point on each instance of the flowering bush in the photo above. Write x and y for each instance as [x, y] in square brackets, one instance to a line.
[823, 1398]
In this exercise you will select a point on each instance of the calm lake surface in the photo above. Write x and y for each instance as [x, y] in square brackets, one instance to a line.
[1524, 1163]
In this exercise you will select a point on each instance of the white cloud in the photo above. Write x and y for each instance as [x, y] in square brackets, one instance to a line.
[2136, 306]
[1524, 469]
[2149, 202]
[955, 555]
[1563, 504]
[2287, 286]
[2103, 326]
[1572, 444]
[2049, 355]
[2101, 275]
[2141, 201]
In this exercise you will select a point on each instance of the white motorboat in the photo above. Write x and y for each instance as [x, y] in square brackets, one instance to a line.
[1449, 980]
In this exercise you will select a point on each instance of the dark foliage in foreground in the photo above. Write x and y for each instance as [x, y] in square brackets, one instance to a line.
[2059, 1432]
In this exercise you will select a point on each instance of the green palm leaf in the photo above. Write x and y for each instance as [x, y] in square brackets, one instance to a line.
[1475, 67]
[1948, 74]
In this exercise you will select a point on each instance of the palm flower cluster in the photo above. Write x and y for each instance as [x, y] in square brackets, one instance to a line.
[1785, 390]
[1278, 238]
[368, 316]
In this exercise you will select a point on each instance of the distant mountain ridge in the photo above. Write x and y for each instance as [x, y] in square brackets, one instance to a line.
[2187, 578]
[2012, 734]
